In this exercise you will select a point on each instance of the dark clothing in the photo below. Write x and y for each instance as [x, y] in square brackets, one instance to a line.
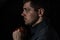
[42, 32]
[52, 34]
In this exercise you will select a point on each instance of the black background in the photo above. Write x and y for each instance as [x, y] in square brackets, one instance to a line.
[11, 18]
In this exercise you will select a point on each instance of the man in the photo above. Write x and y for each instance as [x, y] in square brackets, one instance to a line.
[33, 13]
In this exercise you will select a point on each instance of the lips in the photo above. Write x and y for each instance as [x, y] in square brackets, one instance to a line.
[24, 18]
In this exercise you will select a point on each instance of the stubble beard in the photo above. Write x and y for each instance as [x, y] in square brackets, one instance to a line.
[33, 20]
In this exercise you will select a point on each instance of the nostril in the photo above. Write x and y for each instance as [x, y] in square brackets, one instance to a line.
[23, 14]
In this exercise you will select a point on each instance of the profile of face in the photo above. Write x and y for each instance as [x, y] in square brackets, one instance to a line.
[29, 14]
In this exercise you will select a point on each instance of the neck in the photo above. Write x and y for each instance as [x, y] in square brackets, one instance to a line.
[38, 21]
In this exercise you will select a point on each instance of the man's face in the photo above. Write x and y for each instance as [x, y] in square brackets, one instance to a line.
[29, 14]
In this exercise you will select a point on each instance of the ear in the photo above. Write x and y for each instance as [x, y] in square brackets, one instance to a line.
[41, 12]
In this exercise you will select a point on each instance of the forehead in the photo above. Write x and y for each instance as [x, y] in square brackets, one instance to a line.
[27, 5]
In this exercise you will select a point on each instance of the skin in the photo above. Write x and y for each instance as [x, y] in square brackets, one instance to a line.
[31, 17]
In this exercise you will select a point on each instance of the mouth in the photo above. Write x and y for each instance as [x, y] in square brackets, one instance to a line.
[24, 19]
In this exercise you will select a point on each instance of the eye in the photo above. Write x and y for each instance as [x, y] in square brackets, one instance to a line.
[26, 10]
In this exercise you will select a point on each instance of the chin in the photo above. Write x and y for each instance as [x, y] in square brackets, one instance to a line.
[27, 23]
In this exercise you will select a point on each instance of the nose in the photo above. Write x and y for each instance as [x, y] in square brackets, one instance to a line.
[23, 14]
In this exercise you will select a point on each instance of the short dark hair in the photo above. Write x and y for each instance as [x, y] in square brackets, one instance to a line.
[36, 4]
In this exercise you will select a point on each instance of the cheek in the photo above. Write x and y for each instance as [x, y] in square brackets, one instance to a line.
[31, 15]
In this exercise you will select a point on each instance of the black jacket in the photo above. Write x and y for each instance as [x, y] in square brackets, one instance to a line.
[42, 32]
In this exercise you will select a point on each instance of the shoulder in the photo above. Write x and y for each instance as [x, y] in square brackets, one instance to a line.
[48, 34]
[52, 34]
